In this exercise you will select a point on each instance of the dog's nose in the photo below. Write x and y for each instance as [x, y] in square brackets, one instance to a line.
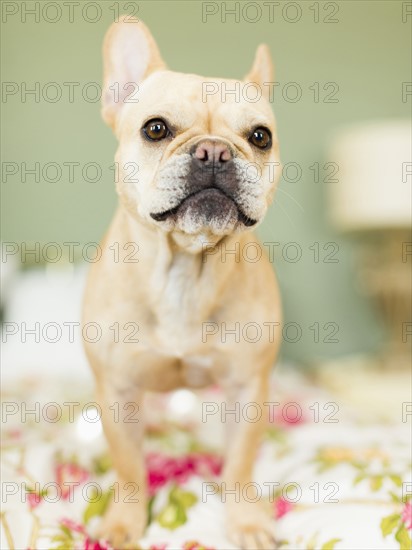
[212, 152]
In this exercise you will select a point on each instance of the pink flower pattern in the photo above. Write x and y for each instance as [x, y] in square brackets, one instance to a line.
[34, 499]
[162, 469]
[90, 544]
[407, 515]
[282, 507]
[67, 473]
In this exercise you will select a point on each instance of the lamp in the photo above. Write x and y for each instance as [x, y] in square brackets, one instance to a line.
[372, 200]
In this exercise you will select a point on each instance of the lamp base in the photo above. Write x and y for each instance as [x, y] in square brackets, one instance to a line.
[385, 275]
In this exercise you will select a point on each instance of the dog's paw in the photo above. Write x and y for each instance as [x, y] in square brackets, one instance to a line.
[251, 528]
[123, 525]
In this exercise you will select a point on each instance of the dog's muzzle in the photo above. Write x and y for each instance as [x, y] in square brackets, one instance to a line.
[212, 185]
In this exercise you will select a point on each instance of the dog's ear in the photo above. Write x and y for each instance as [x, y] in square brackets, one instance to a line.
[130, 54]
[262, 70]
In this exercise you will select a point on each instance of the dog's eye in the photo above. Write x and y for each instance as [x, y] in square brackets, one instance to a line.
[261, 138]
[156, 129]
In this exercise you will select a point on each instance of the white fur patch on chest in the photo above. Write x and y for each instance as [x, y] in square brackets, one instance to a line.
[178, 305]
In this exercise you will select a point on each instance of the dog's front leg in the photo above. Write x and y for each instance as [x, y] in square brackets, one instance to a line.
[126, 518]
[249, 524]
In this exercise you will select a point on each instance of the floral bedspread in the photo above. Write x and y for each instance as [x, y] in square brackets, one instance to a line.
[331, 476]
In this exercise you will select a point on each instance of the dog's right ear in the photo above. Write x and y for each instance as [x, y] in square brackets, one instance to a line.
[130, 54]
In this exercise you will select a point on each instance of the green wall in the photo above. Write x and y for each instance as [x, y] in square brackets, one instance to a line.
[366, 53]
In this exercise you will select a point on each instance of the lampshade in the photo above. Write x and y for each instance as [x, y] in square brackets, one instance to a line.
[375, 176]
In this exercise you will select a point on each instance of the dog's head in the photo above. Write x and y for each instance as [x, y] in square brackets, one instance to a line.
[197, 157]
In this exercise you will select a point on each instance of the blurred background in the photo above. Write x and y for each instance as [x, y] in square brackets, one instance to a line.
[343, 72]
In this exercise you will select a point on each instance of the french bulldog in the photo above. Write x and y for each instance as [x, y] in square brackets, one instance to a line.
[196, 197]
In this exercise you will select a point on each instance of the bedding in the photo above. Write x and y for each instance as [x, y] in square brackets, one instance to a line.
[334, 469]
[330, 478]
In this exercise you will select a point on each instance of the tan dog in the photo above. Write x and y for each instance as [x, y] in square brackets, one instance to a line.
[195, 197]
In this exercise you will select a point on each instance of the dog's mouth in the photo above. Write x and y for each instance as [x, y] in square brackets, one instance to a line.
[212, 202]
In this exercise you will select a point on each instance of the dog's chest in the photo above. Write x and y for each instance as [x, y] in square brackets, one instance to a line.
[181, 306]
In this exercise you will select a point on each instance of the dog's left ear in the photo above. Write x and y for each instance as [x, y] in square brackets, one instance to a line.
[130, 54]
[262, 70]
